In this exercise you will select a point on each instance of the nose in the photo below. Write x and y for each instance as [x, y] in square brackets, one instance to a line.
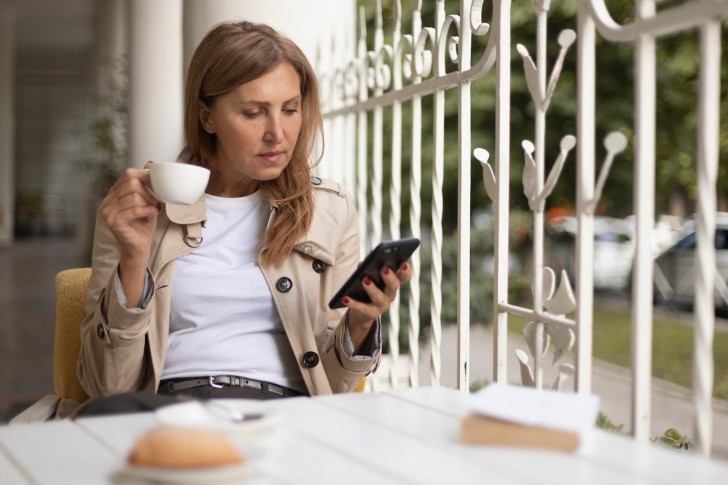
[274, 129]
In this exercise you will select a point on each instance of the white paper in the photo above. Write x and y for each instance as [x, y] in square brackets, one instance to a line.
[532, 407]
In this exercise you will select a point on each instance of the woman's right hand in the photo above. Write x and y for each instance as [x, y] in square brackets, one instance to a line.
[129, 210]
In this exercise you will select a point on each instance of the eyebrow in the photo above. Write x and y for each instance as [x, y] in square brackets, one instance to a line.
[296, 98]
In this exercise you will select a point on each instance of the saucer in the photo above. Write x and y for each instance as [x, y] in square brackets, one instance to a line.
[218, 474]
[220, 415]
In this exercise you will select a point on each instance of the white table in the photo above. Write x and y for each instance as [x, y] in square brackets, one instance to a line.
[408, 436]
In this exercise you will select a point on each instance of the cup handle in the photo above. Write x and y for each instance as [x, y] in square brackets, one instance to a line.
[149, 187]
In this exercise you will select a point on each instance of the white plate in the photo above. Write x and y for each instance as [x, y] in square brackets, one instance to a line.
[220, 415]
[219, 474]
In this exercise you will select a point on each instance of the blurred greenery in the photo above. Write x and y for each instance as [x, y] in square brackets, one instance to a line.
[110, 130]
[676, 138]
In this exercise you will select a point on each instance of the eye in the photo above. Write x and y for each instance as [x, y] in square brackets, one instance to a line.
[290, 111]
[251, 115]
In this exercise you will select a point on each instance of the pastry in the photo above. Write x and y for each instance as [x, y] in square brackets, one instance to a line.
[174, 447]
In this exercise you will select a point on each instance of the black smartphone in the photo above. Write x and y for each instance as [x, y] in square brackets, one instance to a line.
[387, 253]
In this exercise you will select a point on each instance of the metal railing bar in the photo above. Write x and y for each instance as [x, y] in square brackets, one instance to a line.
[669, 20]
[644, 182]
[707, 168]
[546, 318]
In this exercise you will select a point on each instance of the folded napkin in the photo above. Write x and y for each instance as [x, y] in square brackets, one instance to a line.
[524, 416]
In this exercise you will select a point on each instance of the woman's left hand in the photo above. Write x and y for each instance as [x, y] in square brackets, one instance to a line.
[363, 315]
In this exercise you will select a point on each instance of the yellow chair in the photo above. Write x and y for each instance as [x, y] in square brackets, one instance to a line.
[361, 387]
[71, 286]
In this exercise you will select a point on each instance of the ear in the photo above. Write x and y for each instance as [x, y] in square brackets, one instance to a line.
[204, 114]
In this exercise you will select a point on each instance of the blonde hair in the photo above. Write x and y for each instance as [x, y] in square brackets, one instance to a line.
[232, 54]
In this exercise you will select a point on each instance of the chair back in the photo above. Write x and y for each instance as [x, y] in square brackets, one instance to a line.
[71, 286]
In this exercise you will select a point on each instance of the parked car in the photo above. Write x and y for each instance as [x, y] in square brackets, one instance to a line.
[613, 250]
[675, 267]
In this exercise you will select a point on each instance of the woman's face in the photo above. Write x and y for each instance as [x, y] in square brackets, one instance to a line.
[257, 126]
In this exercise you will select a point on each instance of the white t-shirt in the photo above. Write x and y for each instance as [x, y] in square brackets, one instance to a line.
[223, 320]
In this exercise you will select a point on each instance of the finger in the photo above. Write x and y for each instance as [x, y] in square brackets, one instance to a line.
[137, 182]
[404, 272]
[119, 219]
[127, 208]
[380, 300]
[391, 281]
[125, 199]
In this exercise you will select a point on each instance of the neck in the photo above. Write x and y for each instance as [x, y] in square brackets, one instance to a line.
[221, 185]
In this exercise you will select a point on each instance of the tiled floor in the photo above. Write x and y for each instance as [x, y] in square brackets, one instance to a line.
[27, 312]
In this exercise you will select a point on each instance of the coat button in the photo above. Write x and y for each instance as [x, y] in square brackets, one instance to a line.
[316, 180]
[319, 266]
[310, 359]
[284, 285]
[100, 331]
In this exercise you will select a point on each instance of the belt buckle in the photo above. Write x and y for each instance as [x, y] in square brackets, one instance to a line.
[212, 383]
[252, 383]
[276, 389]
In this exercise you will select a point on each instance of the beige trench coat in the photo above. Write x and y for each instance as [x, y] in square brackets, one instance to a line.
[124, 350]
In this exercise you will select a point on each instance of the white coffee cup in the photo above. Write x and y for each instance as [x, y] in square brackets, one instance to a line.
[178, 183]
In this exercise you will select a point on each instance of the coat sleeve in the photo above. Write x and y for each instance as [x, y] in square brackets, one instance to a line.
[113, 338]
[344, 371]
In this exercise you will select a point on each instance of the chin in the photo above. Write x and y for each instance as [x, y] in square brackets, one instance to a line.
[268, 175]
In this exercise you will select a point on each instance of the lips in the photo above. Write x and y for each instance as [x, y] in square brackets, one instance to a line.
[271, 156]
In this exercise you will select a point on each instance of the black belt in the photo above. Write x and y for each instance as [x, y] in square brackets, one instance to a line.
[171, 385]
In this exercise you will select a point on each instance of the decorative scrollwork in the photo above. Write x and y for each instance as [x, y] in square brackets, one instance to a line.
[557, 302]
[542, 100]
[479, 27]
[536, 198]
[615, 143]
[547, 300]
[411, 58]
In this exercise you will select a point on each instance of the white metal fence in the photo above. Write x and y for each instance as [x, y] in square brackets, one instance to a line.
[414, 66]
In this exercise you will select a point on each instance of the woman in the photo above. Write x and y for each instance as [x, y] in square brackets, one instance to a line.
[228, 297]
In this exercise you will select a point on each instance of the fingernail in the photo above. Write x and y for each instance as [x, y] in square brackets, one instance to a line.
[367, 281]
[385, 270]
[404, 267]
[345, 300]
[159, 207]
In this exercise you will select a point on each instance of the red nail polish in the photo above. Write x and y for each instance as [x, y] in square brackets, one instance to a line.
[386, 270]
[159, 207]
[345, 300]
[367, 281]
[404, 267]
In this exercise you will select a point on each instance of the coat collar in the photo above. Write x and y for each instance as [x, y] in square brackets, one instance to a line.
[319, 242]
[187, 214]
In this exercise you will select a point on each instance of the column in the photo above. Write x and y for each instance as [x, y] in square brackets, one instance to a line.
[7, 123]
[112, 42]
[155, 80]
